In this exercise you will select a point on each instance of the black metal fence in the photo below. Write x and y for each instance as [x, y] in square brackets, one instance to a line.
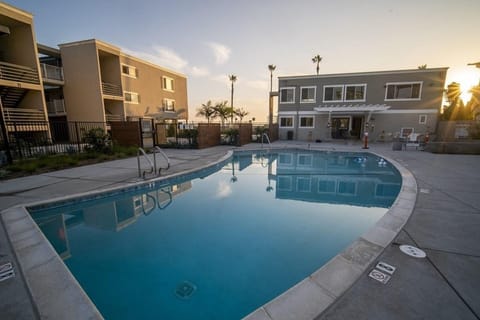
[27, 139]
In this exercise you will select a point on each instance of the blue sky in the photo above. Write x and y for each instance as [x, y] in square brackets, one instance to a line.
[208, 40]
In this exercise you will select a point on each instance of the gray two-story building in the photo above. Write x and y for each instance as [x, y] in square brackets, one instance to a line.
[386, 104]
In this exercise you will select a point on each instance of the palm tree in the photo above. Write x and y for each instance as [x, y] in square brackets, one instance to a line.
[232, 78]
[317, 59]
[272, 68]
[241, 113]
[207, 110]
[223, 111]
[422, 67]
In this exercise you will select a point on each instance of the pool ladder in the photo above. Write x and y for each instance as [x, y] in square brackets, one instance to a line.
[153, 166]
[268, 139]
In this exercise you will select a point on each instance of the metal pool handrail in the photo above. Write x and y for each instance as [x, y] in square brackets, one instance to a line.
[268, 139]
[140, 174]
[156, 150]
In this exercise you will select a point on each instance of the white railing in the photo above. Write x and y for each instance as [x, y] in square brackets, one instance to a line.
[111, 89]
[56, 106]
[21, 114]
[50, 72]
[14, 72]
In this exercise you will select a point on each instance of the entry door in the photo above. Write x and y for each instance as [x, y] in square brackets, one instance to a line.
[340, 128]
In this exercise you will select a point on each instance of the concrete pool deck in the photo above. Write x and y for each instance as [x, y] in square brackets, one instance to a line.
[445, 223]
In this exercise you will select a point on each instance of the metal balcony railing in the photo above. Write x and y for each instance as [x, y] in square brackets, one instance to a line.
[111, 89]
[56, 106]
[14, 72]
[50, 72]
[21, 114]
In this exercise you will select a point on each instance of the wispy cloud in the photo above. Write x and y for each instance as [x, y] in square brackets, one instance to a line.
[223, 189]
[199, 71]
[220, 51]
[223, 78]
[162, 56]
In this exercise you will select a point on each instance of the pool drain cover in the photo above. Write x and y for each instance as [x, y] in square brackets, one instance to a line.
[185, 290]
[413, 251]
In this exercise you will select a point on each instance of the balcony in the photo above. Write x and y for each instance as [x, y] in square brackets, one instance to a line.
[56, 107]
[17, 73]
[51, 73]
[21, 114]
[111, 89]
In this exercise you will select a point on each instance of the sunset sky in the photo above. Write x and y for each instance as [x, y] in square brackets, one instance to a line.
[208, 40]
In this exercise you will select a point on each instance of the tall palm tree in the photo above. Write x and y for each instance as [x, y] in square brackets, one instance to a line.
[272, 68]
[317, 59]
[206, 110]
[232, 78]
[241, 113]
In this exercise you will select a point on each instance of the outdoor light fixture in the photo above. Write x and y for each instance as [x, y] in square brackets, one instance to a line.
[4, 30]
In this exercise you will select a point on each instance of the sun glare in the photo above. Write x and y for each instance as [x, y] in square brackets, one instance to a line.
[467, 77]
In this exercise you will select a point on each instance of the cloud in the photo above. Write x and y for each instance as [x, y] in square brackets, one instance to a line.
[199, 71]
[258, 84]
[220, 51]
[222, 78]
[161, 56]
[223, 190]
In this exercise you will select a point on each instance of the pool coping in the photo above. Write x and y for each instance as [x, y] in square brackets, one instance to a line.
[61, 296]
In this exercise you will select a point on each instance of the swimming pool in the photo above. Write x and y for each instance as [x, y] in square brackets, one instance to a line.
[219, 245]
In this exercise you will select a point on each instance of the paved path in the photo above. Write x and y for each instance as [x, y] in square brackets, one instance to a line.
[445, 223]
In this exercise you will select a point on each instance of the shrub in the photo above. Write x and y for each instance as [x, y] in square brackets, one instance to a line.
[97, 140]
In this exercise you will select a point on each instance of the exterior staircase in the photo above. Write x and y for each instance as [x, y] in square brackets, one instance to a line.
[12, 96]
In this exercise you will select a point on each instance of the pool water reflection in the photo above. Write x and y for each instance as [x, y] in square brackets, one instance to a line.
[219, 245]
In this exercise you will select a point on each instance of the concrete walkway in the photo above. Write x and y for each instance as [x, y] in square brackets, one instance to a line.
[445, 224]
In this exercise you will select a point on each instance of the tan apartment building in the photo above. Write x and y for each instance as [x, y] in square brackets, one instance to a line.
[104, 84]
[21, 87]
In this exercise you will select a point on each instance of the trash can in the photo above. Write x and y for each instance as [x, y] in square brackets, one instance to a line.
[289, 135]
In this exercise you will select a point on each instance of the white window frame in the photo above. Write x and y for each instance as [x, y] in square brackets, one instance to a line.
[132, 94]
[132, 71]
[404, 83]
[326, 180]
[279, 183]
[167, 102]
[334, 86]
[285, 163]
[168, 80]
[364, 85]
[340, 181]
[314, 94]
[280, 95]
[422, 119]
[285, 117]
[305, 156]
[306, 127]
[307, 179]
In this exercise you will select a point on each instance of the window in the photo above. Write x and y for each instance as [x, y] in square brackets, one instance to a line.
[355, 92]
[129, 71]
[305, 160]
[168, 84]
[307, 94]
[306, 122]
[327, 186]
[284, 183]
[403, 91]
[287, 95]
[168, 105]
[303, 184]
[131, 97]
[347, 187]
[285, 159]
[286, 122]
[422, 119]
[332, 93]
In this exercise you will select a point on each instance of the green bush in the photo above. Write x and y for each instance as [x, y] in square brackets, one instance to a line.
[97, 140]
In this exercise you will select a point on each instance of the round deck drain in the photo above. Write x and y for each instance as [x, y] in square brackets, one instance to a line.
[185, 290]
[412, 251]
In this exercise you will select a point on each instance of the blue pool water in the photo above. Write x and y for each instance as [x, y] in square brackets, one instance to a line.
[219, 245]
